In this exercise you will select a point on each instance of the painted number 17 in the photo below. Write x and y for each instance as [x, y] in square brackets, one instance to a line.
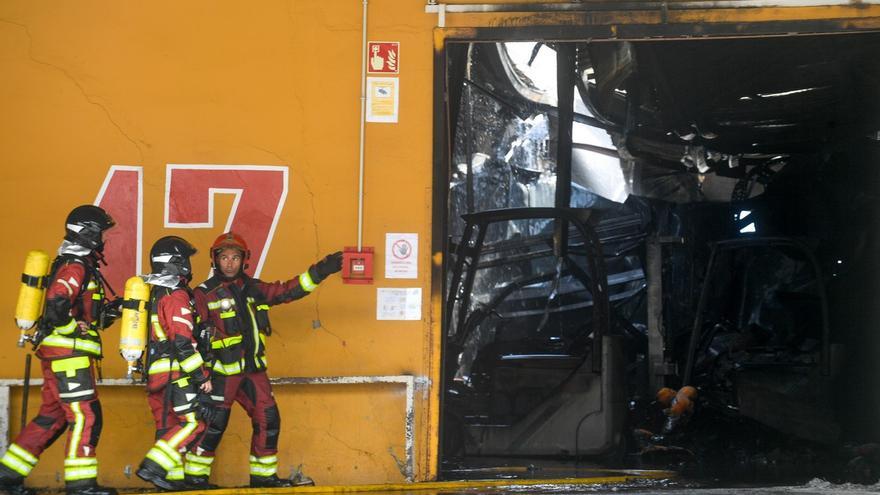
[259, 194]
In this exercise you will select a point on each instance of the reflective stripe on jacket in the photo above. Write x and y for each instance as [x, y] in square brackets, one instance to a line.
[238, 310]
[72, 284]
[173, 350]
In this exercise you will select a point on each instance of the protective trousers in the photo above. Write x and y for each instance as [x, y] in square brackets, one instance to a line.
[70, 400]
[174, 411]
[254, 393]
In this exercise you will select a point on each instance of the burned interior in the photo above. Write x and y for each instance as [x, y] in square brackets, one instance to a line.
[664, 253]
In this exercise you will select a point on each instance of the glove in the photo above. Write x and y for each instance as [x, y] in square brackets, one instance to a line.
[57, 313]
[331, 264]
[199, 376]
[206, 409]
[203, 341]
[110, 312]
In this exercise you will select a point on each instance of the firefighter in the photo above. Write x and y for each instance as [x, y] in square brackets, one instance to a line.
[236, 306]
[175, 369]
[68, 346]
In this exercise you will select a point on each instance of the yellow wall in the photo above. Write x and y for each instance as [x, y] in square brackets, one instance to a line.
[90, 84]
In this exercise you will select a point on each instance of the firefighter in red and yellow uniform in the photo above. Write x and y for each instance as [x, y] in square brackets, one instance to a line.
[68, 345]
[236, 306]
[175, 369]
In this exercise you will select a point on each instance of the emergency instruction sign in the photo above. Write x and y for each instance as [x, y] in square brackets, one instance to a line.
[383, 57]
[399, 304]
[382, 99]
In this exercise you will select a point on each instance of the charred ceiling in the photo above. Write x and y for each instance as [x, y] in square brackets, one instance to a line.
[740, 97]
[706, 104]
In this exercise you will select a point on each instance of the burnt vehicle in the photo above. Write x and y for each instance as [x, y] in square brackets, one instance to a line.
[760, 345]
[532, 365]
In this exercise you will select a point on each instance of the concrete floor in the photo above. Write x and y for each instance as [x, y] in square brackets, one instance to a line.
[510, 480]
[575, 486]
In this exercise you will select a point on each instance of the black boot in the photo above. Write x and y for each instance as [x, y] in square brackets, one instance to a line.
[88, 487]
[269, 482]
[275, 482]
[16, 489]
[12, 483]
[199, 483]
[152, 472]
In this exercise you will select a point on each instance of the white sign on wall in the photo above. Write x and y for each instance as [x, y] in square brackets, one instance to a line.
[401, 255]
[399, 304]
[383, 99]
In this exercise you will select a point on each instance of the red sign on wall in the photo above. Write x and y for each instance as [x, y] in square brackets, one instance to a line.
[383, 57]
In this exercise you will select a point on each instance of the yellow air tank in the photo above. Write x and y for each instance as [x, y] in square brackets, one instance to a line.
[33, 288]
[133, 334]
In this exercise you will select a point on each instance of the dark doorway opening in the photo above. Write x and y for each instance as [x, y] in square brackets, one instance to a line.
[659, 150]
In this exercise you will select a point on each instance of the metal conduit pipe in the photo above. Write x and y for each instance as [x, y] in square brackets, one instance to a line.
[441, 9]
[360, 234]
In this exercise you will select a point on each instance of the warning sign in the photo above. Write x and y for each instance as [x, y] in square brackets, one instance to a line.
[382, 99]
[401, 255]
[383, 57]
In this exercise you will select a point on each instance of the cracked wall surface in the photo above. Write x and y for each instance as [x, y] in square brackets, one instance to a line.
[101, 83]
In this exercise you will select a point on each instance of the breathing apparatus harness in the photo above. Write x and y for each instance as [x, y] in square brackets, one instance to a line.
[102, 309]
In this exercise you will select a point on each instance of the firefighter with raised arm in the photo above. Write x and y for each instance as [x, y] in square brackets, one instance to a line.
[68, 345]
[175, 370]
[236, 306]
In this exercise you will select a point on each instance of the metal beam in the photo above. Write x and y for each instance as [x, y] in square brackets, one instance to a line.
[565, 74]
[658, 367]
[654, 259]
[593, 6]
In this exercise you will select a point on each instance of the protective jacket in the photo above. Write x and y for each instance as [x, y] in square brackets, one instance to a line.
[75, 293]
[237, 312]
[175, 370]
[173, 351]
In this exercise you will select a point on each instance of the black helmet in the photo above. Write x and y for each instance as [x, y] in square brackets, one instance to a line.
[170, 256]
[85, 224]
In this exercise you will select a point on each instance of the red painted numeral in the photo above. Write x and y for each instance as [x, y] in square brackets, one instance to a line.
[259, 192]
[121, 196]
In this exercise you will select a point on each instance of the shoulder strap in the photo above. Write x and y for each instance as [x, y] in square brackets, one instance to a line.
[210, 284]
[156, 295]
[66, 259]
[192, 299]
[251, 287]
[189, 292]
